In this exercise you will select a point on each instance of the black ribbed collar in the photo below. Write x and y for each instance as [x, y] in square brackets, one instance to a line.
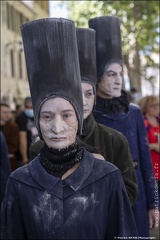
[113, 105]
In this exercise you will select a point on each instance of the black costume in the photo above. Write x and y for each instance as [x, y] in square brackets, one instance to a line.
[91, 203]
[119, 114]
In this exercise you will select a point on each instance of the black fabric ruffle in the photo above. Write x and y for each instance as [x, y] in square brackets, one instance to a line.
[58, 162]
[113, 105]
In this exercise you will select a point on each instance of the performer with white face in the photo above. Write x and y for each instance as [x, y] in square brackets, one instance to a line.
[111, 143]
[88, 99]
[58, 123]
[65, 192]
[110, 84]
[114, 110]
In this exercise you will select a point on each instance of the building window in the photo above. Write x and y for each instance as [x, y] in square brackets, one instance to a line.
[20, 64]
[12, 63]
[15, 19]
[8, 16]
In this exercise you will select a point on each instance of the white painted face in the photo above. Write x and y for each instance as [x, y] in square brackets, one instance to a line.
[58, 123]
[111, 83]
[88, 99]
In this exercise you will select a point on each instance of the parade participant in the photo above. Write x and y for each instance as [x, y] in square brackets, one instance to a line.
[65, 192]
[112, 144]
[113, 110]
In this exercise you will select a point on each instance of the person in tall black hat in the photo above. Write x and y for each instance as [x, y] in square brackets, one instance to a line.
[65, 192]
[114, 110]
[112, 144]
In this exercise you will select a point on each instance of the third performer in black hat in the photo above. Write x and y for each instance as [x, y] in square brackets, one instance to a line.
[114, 110]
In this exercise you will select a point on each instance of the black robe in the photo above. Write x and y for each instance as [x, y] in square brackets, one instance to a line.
[91, 203]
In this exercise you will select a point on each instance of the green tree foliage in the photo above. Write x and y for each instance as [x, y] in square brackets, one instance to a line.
[139, 27]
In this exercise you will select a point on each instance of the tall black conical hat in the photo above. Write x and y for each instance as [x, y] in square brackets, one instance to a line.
[108, 39]
[87, 55]
[51, 54]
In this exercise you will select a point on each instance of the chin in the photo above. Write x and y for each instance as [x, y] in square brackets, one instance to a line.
[59, 146]
[85, 115]
[117, 95]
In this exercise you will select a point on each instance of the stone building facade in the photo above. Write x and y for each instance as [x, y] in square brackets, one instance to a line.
[14, 83]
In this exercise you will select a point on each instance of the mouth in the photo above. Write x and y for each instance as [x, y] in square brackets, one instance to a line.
[58, 139]
[117, 89]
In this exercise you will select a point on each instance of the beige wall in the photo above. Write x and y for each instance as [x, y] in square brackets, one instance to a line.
[14, 83]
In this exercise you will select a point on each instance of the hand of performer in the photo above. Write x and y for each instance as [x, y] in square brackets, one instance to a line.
[153, 216]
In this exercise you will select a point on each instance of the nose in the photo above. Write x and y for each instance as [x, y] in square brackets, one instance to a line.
[57, 125]
[119, 79]
[84, 100]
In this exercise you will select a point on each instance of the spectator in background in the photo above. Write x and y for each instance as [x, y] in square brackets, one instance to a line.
[11, 133]
[4, 164]
[150, 109]
[18, 109]
[27, 129]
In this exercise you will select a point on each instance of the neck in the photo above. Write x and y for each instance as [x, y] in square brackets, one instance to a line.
[152, 120]
[61, 162]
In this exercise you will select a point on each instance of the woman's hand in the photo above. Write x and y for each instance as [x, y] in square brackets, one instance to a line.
[155, 147]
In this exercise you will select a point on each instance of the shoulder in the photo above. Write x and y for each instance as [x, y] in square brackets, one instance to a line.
[134, 107]
[23, 174]
[20, 173]
[100, 167]
[135, 111]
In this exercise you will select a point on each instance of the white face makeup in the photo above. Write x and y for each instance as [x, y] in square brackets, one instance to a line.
[111, 83]
[88, 99]
[58, 123]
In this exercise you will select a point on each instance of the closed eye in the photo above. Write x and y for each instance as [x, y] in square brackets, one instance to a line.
[67, 115]
[89, 94]
[111, 74]
[46, 117]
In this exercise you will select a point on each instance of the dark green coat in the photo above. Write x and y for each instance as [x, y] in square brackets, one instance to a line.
[114, 147]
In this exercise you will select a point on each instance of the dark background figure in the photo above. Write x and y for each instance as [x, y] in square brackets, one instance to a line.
[114, 110]
[4, 165]
[11, 133]
[27, 130]
[18, 110]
